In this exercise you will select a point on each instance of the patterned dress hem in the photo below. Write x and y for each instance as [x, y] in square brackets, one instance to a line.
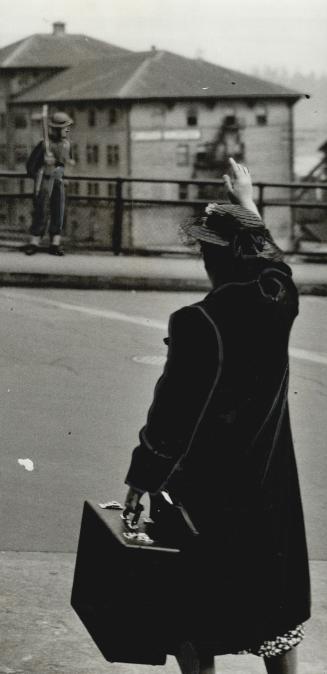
[279, 645]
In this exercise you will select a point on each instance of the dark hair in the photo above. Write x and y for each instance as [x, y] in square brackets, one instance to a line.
[241, 259]
[219, 261]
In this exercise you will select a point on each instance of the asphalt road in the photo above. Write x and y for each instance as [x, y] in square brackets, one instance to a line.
[77, 374]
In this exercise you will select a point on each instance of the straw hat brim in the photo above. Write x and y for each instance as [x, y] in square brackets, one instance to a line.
[203, 233]
[239, 218]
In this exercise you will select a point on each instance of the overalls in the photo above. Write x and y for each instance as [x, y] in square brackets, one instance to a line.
[49, 192]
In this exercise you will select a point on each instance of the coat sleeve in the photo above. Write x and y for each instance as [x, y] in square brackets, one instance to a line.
[180, 399]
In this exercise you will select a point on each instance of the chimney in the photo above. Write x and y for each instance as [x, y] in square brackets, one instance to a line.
[58, 28]
[153, 50]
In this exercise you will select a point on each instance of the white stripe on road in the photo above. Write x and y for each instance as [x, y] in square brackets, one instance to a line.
[299, 354]
[303, 354]
[112, 315]
[90, 311]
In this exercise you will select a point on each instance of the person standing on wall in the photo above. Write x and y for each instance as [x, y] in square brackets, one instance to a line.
[46, 165]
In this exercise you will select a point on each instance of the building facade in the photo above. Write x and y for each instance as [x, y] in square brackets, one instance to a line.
[133, 121]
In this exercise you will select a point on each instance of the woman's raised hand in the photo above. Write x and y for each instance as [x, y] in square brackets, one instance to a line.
[238, 184]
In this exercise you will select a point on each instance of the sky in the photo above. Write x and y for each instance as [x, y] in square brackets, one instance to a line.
[240, 34]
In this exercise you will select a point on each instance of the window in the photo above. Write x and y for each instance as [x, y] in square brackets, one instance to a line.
[3, 154]
[72, 114]
[111, 190]
[20, 120]
[93, 189]
[261, 116]
[182, 155]
[112, 155]
[204, 191]
[113, 115]
[21, 154]
[75, 152]
[22, 186]
[73, 187]
[35, 119]
[202, 152]
[91, 117]
[230, 118]
[92, 154]
[192, 117]
[182, 191]
[3, 185]
[24, 80]
[3, 120]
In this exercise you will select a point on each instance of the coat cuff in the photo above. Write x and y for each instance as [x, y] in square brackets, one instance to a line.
[149, 471]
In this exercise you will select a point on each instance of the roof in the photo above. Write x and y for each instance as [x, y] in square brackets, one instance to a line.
[151, 75]
[55, 51]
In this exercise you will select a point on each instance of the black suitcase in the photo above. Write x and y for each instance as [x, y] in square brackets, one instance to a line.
[127, 585]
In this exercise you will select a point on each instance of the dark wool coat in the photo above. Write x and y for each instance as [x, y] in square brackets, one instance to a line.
[218, 438]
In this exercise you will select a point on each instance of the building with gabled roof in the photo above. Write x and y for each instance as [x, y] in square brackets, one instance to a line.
[55, 50]
[147, 114]
[154, 75]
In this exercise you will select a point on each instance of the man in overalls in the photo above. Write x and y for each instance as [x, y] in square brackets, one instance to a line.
[49, 192]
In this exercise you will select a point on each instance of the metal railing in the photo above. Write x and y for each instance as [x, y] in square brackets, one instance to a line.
[121, 202]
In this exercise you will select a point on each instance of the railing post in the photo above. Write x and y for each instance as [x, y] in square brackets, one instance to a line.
[293, 239]
[261, 203]
[118, 218]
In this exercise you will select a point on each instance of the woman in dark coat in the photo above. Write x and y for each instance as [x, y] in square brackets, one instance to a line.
[218, 440]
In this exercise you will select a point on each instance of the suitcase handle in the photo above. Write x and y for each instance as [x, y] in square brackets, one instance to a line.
[132, 522]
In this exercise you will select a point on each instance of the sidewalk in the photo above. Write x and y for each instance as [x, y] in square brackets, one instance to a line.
[106, 271]
[41, 634]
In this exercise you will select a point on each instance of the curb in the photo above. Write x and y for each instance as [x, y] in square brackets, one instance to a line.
[100, 282]
[105, 282]
[317, 290]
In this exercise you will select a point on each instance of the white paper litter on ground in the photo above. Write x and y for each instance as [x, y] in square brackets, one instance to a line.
[26, 463]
